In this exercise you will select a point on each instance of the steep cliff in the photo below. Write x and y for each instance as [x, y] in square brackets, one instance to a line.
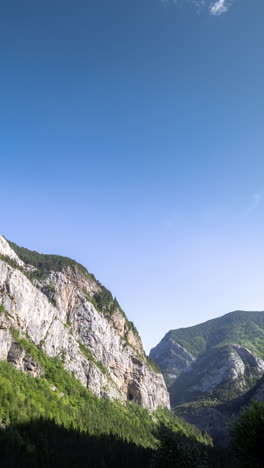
[54, 302]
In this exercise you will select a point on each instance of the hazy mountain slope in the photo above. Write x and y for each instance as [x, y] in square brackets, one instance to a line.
[215, 417]
[55, 303]
[221, 373]
[211, 367]
[179, 348]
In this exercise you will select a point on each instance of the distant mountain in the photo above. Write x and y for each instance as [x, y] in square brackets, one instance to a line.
[211, 365]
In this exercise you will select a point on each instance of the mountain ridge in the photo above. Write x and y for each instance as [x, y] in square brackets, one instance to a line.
[227, 329]
[210, 367]
[66, 312]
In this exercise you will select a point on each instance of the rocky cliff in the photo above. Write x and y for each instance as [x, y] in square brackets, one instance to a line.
[54, 302]
[211, 367]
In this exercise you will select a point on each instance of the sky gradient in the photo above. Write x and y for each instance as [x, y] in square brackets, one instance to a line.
[131, 139]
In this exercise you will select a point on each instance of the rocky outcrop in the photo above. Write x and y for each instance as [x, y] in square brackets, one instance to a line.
[56, 311]
[22, 360]
[6, 250]
[172, 358]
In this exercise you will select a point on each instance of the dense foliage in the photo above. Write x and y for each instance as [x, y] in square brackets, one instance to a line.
[60, 397]
[44, 262]
[44, 444]
[53, 413]
[247, 438]
[176, 450]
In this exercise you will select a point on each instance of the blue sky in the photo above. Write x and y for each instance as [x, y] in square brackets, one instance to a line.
[131, 139]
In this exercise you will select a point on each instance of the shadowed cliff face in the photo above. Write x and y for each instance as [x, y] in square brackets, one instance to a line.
[71, 316]
[221, 374]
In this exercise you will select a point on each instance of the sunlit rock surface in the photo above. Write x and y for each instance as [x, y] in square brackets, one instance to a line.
[55, 313]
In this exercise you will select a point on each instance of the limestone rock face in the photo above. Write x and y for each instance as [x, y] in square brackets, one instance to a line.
[6, 250]
[57, 313]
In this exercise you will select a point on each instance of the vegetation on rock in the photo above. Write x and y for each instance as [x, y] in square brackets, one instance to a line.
[102, 299]
[54, 412]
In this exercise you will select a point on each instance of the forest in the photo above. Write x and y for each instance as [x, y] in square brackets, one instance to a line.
[53, 421]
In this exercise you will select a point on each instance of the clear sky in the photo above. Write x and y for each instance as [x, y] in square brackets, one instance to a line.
[132, 139]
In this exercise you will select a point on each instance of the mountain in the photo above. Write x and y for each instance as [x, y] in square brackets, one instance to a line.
[214, 368]
[76, 387]
[63, 309]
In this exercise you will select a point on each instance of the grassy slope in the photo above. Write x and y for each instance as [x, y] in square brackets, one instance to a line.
[240, 327]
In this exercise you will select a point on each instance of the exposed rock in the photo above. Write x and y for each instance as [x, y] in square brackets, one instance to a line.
[23, 361]
[5, 337]
[247, 356]
[56, 314]
[172, 358]
[6, 250]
